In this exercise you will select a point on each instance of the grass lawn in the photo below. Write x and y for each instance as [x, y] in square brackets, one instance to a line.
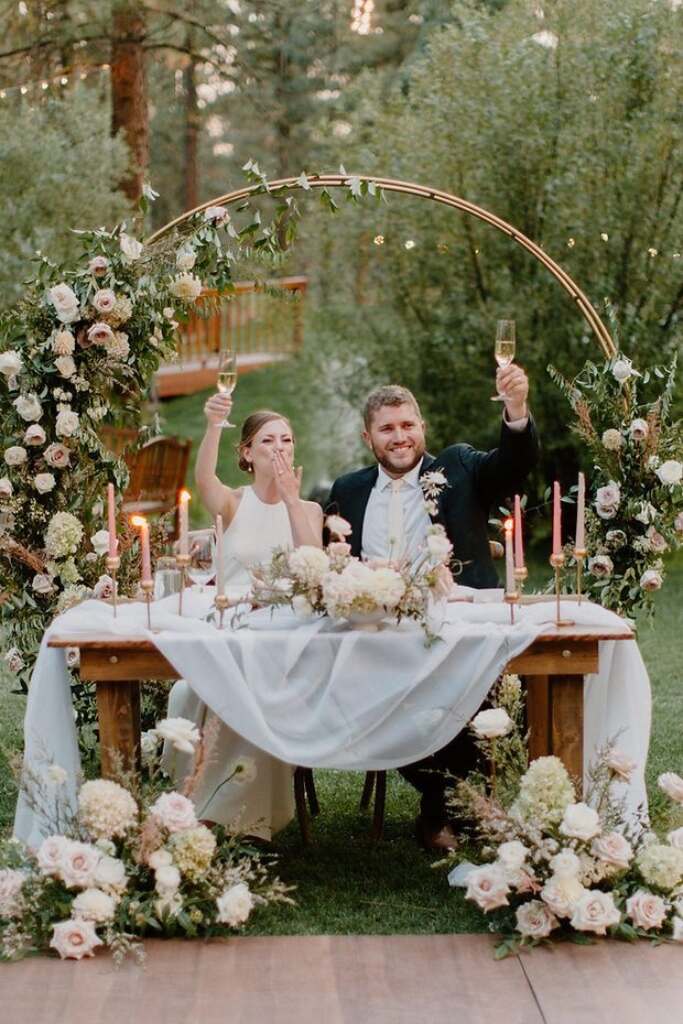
[345, 883]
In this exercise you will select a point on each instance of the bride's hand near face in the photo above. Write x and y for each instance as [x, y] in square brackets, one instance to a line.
[287, 479]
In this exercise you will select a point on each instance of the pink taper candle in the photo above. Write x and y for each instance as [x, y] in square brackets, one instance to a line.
[519, 547]
[581, 514]
[557, 519]
[143, 527]
[183, 547]
[510, 587]
[220, 568]
[111, 521]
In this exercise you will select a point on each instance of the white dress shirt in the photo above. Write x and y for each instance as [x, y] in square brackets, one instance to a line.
[376, 542]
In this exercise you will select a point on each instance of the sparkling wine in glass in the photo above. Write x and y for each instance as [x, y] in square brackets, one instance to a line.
[505, 348]
[227, 375]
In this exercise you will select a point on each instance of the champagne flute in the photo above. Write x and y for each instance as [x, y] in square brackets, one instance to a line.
[202, 565]
[227, 375]
[505, 348]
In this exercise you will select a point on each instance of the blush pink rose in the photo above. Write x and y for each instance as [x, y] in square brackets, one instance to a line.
[613, 849]
[672, 785]
[78, 865]
[487, 887]
[174, 811]
[75, 939]
[646, 910]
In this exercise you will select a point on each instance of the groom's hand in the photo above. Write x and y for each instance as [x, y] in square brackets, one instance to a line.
[513, 382]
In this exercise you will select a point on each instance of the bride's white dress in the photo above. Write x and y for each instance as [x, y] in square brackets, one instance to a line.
[264, 804]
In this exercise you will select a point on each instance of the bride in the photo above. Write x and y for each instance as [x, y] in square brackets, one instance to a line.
[265, 514]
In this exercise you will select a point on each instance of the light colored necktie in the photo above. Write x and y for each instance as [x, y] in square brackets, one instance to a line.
[396, 530]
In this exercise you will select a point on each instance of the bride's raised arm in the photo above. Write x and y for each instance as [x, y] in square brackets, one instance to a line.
[218, 498]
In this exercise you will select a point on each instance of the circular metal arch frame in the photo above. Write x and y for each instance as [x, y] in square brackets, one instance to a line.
[446, 199]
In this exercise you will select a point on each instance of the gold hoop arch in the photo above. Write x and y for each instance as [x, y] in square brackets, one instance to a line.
[446, 199]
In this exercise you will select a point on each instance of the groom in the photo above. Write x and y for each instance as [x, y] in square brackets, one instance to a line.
[385, 507]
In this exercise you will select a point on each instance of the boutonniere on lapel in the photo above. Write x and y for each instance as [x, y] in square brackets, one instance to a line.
[432, 485]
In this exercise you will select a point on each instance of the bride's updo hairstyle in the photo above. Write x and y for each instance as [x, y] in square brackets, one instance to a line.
[250, 429]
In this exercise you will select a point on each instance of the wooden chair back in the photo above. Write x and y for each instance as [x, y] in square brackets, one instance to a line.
[157, 475]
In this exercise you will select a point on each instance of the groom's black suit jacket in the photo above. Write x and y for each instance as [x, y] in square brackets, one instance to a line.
[476, 480]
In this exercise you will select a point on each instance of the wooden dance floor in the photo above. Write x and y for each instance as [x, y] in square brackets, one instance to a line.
[347, 979]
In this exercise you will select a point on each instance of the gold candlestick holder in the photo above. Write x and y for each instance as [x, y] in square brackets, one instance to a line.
[520, 577]
[512, 599]
[113, 565]
[580, 556]
[182, 561]
[222, 604]
[557, 561]
[147, 587]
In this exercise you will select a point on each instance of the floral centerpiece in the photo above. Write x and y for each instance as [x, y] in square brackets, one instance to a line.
[330, 581]
[551, 866]
[636, 449]
[126, 862]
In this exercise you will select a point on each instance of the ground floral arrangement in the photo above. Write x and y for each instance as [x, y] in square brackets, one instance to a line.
[128, 861]
[636, 450]
[315, 581]
[546, 866]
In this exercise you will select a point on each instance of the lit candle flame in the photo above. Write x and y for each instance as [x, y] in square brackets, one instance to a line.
[508, 525]
[185, 495]
[138, 521]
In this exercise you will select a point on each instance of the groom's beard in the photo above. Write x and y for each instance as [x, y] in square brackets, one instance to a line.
[400, 469]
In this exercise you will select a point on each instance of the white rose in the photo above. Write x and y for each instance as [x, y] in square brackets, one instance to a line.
[34, 435]
[110, 873]
[100, 542]
[104, 300]
[130, 247]
[75, 939]
[65, 302]
[44, 482]
[42, 583]
[560, 893]
[174, 812]
[565, 864]
[159, 859]
[670, 472]
[11, 882]
[10, 363]
[672, 785]
[607, 500]
[185, 258]
[77, 865]
[50, 854]
[492, 723]
[622, 370]
[646, 910]
[601, 565]
[487, 886]
[104, 588]
[613, 849]
[181, 733]
[15, 455]
[612, 440]
[28, 407]
[57, 456]
[651, 580]
[235, 905]
[186, 287]
[595, 912]
[98, 265]
[676, 838]
[94, 905]
[67, 423]
[100, 334]
[6, 489]
[620, 764]
[580, 822]
[511, 855]
[166, 879]
[14, 660]
[639, 430]
[217, 215]
[535, 920]
[66, 366]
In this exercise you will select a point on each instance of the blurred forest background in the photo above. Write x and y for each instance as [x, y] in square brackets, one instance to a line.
[564, 117]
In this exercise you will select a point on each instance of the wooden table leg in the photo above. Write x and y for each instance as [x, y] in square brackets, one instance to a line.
[118, 711]
[566, 724]
[538, 715]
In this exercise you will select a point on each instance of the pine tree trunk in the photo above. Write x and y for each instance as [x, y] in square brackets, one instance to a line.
[191, 163]
[129, 91]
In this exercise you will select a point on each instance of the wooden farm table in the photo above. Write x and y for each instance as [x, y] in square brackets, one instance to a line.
[553, 668]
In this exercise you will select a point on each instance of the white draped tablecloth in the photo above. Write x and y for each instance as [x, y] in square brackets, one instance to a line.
[326, 696]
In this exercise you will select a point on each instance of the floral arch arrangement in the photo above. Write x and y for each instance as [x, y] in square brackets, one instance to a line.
[83, 345]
